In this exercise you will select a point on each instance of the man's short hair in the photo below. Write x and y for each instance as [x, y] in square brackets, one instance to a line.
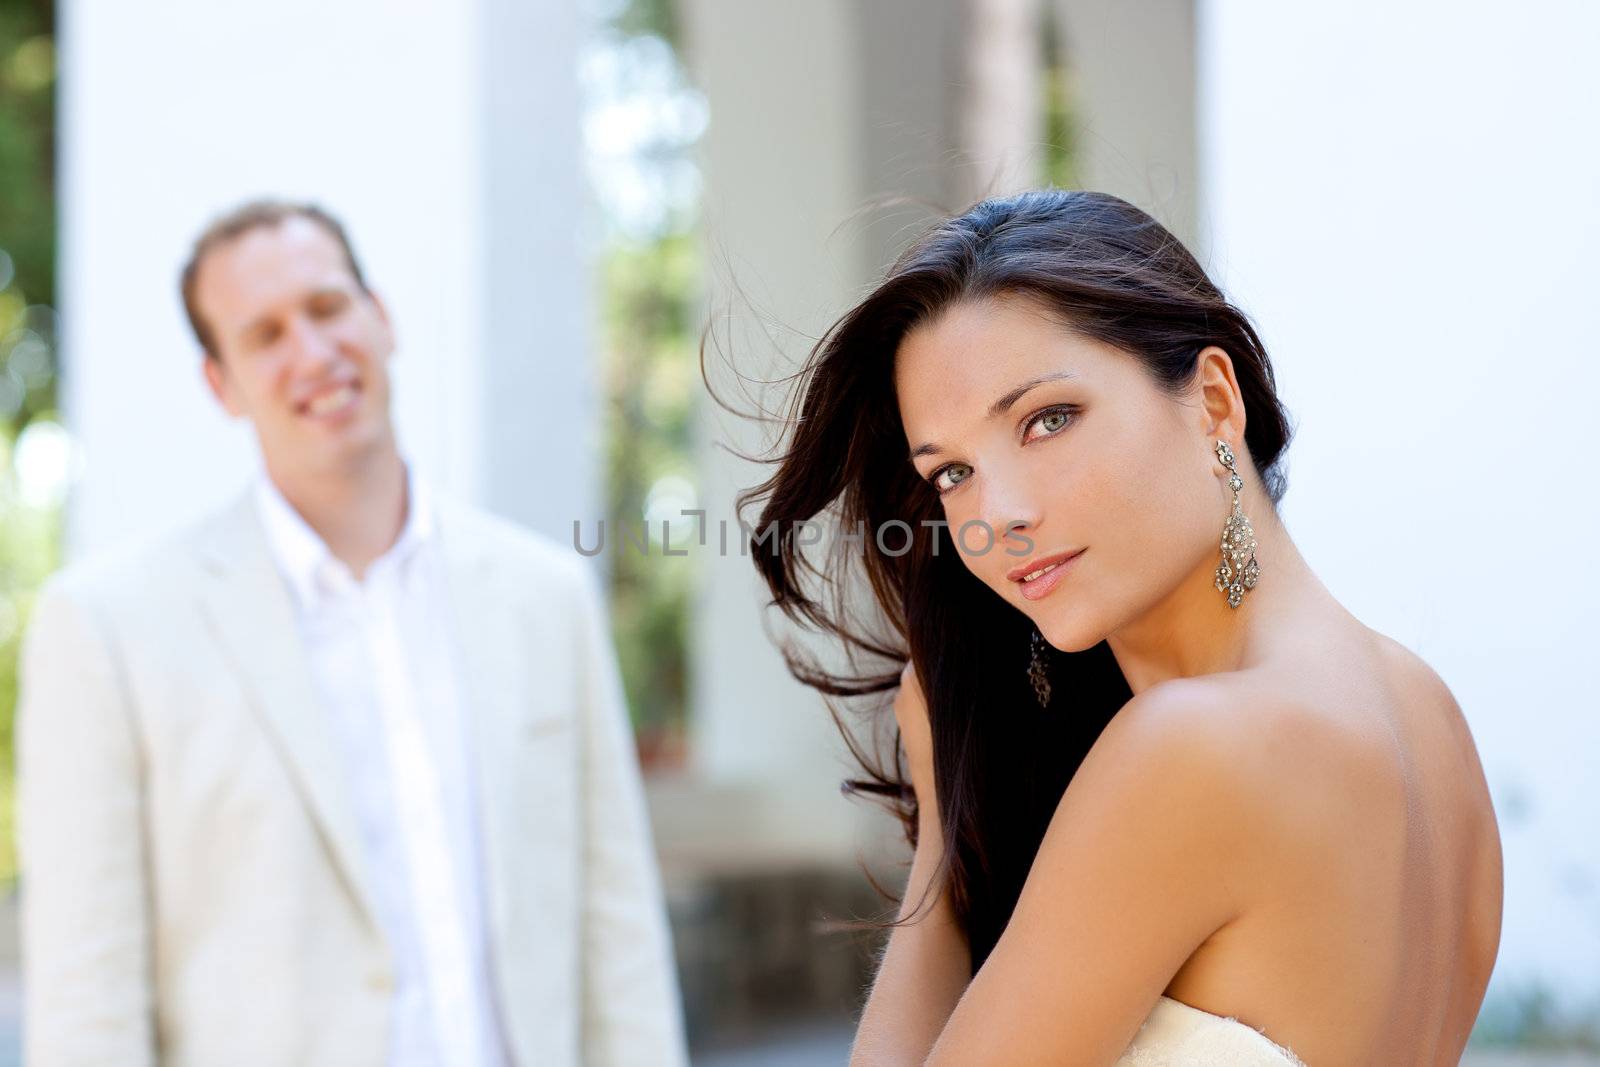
[238, 222]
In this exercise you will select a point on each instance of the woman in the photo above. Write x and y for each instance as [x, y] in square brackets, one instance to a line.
[1170, 802]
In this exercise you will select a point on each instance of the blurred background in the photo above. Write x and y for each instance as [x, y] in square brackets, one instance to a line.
[557, 199]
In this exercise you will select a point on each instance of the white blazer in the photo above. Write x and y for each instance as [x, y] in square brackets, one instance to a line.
[192, 882]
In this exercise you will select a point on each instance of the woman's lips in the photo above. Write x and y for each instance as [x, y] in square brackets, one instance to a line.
[1054, 570]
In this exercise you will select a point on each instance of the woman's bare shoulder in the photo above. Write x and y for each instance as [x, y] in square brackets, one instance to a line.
[1413, 677]
[1244, 740]
[1286, 753]
[1256, 721]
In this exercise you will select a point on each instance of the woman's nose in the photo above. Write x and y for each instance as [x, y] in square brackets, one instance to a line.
[1008, 503]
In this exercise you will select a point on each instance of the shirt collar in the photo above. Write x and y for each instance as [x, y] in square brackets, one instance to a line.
[305, 559]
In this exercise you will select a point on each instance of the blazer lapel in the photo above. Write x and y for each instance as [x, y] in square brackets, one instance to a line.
[248, 602]
[491, 643]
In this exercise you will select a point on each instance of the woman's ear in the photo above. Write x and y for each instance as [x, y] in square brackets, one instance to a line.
[1221, 403]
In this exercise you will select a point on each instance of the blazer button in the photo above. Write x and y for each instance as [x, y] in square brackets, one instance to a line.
[380, 981]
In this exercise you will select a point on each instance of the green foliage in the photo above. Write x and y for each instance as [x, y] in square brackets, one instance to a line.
[648, 300]
[657, 18]
[29, 552]
[1060, 119]
[27, 146]
[28, 533]
[651, 370]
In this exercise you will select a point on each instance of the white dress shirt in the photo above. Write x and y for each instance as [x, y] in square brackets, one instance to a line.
[383, 661]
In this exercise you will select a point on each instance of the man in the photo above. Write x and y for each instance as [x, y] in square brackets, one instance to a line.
[341, 776]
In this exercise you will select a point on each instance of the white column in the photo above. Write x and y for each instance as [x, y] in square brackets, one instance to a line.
[1404, 196]
[782, 161]
[1132, 71]
[444, 134]
[541, 426]
[1000, 112]
[821, 114]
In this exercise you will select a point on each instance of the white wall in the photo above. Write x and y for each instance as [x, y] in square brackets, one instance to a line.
[443, 133]
[1407, 198]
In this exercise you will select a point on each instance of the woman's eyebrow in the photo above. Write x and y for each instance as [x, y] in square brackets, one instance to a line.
[1003, 405]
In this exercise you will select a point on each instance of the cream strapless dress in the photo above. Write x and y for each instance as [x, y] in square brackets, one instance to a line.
[1178, 1035]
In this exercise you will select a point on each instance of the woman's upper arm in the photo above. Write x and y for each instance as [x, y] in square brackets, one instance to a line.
[926, 964]
[916, 737]
[911, 712]
[1137, 868]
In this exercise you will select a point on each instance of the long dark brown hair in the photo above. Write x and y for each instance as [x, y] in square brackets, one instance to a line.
[1112, 273]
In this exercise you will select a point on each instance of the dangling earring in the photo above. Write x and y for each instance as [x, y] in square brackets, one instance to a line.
[1038, 674]
[1238, 570]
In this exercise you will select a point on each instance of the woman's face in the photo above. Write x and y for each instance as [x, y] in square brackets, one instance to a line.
[1021, 425]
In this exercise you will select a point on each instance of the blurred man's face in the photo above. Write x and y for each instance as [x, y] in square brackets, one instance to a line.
[302, 351]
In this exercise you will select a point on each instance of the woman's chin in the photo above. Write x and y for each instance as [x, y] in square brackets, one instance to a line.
[1066, 635]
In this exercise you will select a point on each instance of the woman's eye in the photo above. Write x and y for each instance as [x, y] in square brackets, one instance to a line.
[1051, 421]
[949, 476]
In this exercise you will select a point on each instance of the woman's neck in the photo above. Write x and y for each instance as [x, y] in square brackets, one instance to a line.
[1194, 632]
